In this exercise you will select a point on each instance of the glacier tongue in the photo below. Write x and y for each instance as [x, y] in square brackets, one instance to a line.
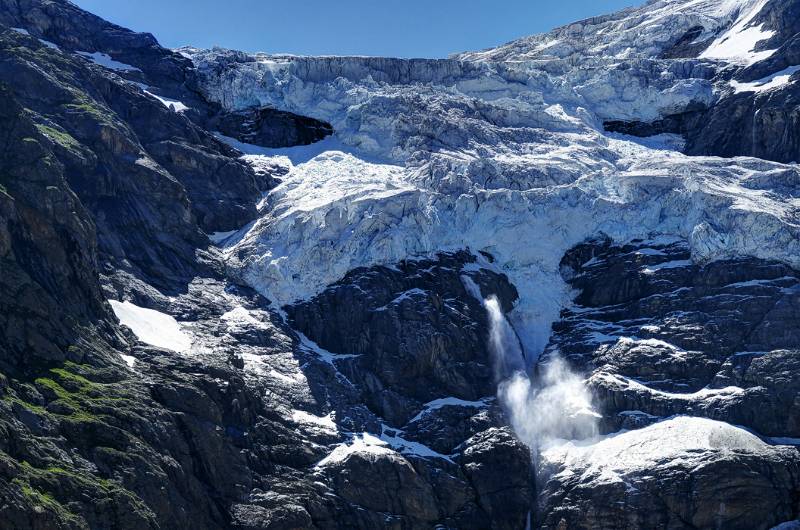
[507, 158]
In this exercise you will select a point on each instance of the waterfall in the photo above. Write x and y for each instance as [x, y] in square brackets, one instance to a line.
[503, 339]
[557, 406]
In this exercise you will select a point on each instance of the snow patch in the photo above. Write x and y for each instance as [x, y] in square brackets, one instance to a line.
[106, 61]
[218, 238]
[151, 326]
[448, 402]
[129, 360]
[737, 45]
[622, 383]
[324, 423]
[51, 45]
[773, 81]
[408, 447]
[364, 443]
[322, 353]
[172, 104]
[676, 264]
[681, 439]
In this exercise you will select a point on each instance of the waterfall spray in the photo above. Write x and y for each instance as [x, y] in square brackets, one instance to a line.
[555, 407]
[503, 339]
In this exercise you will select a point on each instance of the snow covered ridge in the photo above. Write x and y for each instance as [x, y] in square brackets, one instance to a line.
[721, 28]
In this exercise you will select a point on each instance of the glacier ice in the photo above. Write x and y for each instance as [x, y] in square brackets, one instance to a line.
[501, 151]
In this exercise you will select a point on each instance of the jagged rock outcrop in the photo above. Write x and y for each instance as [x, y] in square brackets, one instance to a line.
[413, 341]
[682, 473]
[416, 330]
[662, 336]
[51, 299]
[659, 339]
[352, 382]
[146, 174]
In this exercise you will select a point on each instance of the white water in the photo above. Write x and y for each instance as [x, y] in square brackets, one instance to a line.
[503, 339]
[556, 406]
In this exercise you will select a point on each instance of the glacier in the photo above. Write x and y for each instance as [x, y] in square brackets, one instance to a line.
[501, 151]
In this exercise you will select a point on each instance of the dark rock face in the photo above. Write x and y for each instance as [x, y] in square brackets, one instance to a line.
[168, 74]
[106, 192]
[50, 292]
[646, 313]
[271, 127]
[83, 444]
[492, 463]
[771, 122]
[146, 174]
[738, 488]
[418, 333]
[659, 336]
[74, 29]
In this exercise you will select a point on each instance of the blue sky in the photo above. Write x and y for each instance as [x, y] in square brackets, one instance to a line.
[408, 28]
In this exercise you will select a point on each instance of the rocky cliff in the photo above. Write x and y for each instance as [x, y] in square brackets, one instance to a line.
[509, 289]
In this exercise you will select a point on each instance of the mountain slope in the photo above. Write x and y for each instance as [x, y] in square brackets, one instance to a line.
[507, 289]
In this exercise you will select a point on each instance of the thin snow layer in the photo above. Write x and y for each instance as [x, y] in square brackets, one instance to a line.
[51, 45]
[449, 402]
[621, 383]
[390, 443]
[152, 327]
[105, 60]
[506, 158]
[681, 440]
[129, 360]
[366, 444]
[737, 45]
[306, 419]
[172, 104]
[45, 42]
[218, 238]
[776, 80]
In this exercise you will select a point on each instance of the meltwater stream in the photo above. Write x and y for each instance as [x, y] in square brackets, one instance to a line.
[544, 405]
